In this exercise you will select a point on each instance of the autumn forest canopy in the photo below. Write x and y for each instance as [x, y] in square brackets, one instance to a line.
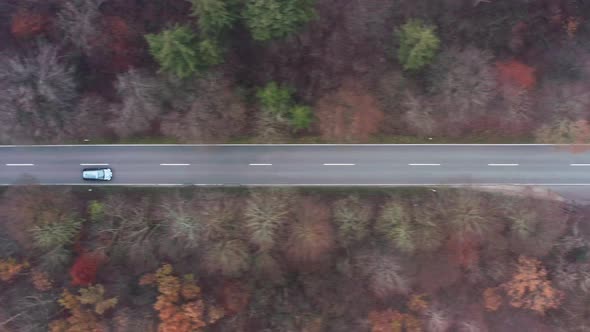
[211, 71]
[290, 260]
[294, 71]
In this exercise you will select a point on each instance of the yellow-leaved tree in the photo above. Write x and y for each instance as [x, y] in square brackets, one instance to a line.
[84, 310]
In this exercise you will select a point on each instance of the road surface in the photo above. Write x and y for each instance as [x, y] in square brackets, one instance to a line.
[433, 164]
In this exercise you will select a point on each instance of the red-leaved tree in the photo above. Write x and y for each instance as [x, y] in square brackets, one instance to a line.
[84, 270]
[516, 73]
[26, 24]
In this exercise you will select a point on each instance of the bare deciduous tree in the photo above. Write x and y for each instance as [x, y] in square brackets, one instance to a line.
[437, 321]
[88, 119]
[212, 117]
[184, 225]
[141, 95]
[230, 258]
[419, 113]
[36, 96]
[352, 218]
[311, 237]
[384, 274]
[464, 82]
[265, 213]
[131, 232]
[79, 20]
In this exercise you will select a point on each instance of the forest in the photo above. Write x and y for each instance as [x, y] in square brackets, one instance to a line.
[312, 71]
[339, 259]
[74, 259]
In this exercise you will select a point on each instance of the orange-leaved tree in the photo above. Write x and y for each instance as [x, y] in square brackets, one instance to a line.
[393, 321]
[84, 310]
[529, 288]
[491, 299]
[10, 268]
[41, 281]
[179, 305]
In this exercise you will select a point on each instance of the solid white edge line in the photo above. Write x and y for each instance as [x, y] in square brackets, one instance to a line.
[501, 165]
[424, 164]
[20, 164]
[313, 185]
[284, 144]
[94, 164]
[175, 164]
[339, 164]
[260, 164]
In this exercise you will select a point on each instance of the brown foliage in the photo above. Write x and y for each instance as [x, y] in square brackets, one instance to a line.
[214, 114]
[27, 24]
[530, 288]
[29, 205]
[565, 132]
[464, 251]
[235, 296]
[41, 281]
[393, 321]
[311, 237]
[571, 26]
[350, 114]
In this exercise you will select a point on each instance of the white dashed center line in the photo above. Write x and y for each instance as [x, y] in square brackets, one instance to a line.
[501, 165]
[579, 164]
[175, 164]
[20, 164]
[94, 164]
[260, 164]
[339, 164]
[424, 164]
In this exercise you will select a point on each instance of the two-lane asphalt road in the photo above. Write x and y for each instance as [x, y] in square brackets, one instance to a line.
[433, 164]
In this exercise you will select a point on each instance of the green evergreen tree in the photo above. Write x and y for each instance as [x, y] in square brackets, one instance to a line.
[95, 211]
[210, 53]
[179, 51]
[272, 19]
[275, 99]
[215, 16]
[279, 102]
[418, 45]
[301, 117]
